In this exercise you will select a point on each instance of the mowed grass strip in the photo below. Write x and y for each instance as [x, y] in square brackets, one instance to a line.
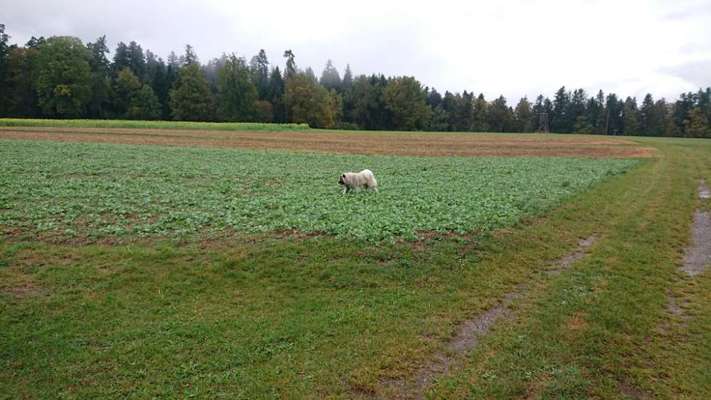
[605, 330]
[94, 191]
[137, 124]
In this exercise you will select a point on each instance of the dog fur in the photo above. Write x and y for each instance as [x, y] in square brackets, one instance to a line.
[355, 180]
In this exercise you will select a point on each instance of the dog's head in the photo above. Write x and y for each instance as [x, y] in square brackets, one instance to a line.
[342, 179]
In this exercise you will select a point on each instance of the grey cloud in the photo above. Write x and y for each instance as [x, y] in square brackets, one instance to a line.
[696, 72]
[691, 11]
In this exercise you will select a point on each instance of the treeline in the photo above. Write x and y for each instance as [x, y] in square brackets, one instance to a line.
[61, 77]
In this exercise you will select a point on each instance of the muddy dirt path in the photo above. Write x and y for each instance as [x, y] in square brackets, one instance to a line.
[470, 333]
[698, 255]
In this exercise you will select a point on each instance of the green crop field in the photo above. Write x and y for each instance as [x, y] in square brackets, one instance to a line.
[141, 271]
[95, 190]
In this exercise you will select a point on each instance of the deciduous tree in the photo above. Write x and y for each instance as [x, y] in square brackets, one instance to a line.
[405, 98]
[308, 102]
[144, 104]
[63, 77]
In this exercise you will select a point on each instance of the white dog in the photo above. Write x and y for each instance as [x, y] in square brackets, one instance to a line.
[353, 180]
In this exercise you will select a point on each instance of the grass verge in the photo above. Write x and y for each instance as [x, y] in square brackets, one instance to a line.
[137, 124]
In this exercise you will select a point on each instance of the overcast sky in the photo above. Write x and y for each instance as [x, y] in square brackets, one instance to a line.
[509, 47]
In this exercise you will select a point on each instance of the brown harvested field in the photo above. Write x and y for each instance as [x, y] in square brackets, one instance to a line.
[352, 142]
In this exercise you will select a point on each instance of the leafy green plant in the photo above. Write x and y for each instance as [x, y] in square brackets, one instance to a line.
[99, 190]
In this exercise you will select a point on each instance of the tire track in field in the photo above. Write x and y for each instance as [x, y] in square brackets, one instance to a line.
[471, 331]
[698, 254]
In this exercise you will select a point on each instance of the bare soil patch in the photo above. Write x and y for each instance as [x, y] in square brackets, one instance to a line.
[673, 307]
[631, 391]
[698, 255]
[384, 143]
[704, 191]
[570, 259]
[26, 289]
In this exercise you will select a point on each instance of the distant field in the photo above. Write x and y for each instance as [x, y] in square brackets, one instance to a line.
[104, 190]
[197, 263]
[436, 144]
[111, 123]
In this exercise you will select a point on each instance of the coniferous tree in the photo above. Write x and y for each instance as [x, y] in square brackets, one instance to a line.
[173, 59]
[663, 113]
[594, 113]
[189, 58]
[210, 71]
[682, 108]
[4, 81]
[259, 66]
[129, 56]
[614, 124]
[310, 74]
[540, 123]
[122, 58]
[439, 121]
[449, 106]
[290, 64]
[464, 112]
[190, 98]
[137, 60]
[630, 117]
[480, 115]
[523, 116]
[330, 78]
[100, 79]
[648, 118]
[276, 96]
[347, 81]
[560, 121]
[160, 80]
[576, 112]
[434, 99]
[236, 92]
[600, 122]
[368, 103]
[500, 116]
[171, 76]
